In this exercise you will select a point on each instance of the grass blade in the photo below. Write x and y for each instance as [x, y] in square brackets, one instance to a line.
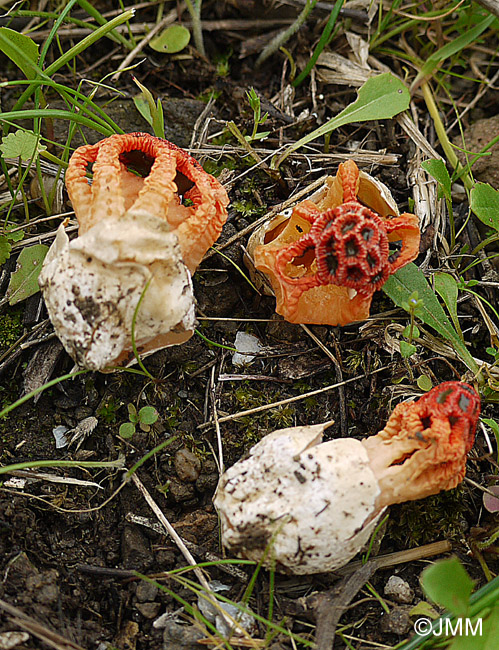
[56, 114]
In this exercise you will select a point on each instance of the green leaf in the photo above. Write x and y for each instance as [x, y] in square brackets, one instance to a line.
[132, 414]
[415, 332]
[57, 114]
[424, 609]
[5, 249]
[493, 425]
[484, 201]
[438, 170]
[173, 39]
[148, 415]
[379, 98]
[23, 144]
[424, 383]
[400, 286]
[447, 583]
[258, 136]
[24, 281]
[446, 287]
[253, 99]
[470, 639]
[453, 47]
[127, 429]
[16, 235]
[20, 49]
[158, 120]
[152, 112]
[407, 349]
[142, 105]
[490, 632]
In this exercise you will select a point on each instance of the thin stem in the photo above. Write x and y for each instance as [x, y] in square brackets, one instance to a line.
[88, 106]
[38, 390]
[99, 18]
[134, 321]
[57, 114]
[88, 41]
[281, 38]
[442, 135]
[8, 469]
[194, 8]
[452, 223]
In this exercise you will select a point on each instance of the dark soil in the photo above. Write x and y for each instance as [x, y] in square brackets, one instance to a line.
[70, 553]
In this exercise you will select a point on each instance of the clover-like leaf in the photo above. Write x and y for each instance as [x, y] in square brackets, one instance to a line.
[407, 349]
[5, 248]
[21, 144]
[424, 383]
[132, 414]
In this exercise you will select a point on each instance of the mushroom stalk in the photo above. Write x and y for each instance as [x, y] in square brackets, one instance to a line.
[307, 506]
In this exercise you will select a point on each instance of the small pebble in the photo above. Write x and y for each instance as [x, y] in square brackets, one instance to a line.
[397, 621]
[181, 636]
[187, 465]
[148, 610]
[399, 590]
[181, 492]
[146, 592]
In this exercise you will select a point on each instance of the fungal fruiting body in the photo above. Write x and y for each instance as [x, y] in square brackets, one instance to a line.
[423, 447]
[325, 261]
[145, 222]
[308, 506]
[303, 504]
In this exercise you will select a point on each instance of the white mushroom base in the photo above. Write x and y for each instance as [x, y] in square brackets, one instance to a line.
[92, 286]
[302, 505]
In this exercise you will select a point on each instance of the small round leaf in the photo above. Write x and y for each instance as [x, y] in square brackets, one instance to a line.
[173, 39]
[424, 383]
[407, 349]
[127, 429]
[148, 415]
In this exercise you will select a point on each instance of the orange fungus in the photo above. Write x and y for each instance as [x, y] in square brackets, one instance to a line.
[326, 260]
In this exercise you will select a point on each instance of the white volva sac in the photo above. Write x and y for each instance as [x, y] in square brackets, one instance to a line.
[308, 506]
[312, 504]
[92, 286]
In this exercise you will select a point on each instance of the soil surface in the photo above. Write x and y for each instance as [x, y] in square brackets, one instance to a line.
[75, 541]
